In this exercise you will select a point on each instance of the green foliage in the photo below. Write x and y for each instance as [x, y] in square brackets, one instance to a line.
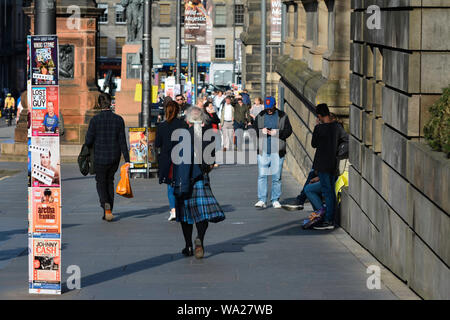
[437, 130]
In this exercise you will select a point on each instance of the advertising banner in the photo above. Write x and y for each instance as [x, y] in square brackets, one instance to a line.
[169, 87]
[195, 16]
[46, 206]
[275, 21]
[138, 150]
[45, 164]
[44, 60]
[45, 111]
[46, 266]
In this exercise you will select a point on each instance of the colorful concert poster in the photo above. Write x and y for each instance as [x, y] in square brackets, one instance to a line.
[46, 206]
[138, 150]
[44, 60]
[45, 111]
[45, 164]
[45, 266]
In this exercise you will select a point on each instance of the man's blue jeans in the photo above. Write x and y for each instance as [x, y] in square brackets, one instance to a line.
[327, 182]
[269, 165]
[313, 192]
[301, 198]
[171, 197]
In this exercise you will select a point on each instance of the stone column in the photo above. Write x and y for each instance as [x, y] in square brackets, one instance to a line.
[290, 28]
[297, 44]
[336, 60]
[320, 44]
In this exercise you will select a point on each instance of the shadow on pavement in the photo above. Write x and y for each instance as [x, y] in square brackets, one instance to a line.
[142, 213]
[233, 245]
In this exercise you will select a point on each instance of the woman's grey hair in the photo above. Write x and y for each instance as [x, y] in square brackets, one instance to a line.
[195, 115]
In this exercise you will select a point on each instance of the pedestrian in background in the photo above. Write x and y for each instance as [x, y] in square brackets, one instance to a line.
[195, 202]
[106, 133]
[165, 144]
[241, 121]
[226, 124]
[271, 124]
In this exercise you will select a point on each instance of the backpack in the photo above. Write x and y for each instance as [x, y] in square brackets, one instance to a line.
[342, 149]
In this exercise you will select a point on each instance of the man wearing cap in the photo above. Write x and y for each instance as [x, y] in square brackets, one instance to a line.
[273, 128]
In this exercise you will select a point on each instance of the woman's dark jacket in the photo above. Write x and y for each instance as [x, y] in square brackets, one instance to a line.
[186, 174]
[164, 143]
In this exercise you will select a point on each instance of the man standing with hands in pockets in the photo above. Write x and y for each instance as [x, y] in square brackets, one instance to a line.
[107, 134]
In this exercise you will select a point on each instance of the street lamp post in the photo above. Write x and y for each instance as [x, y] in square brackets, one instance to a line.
[146, 64]
[178, 42]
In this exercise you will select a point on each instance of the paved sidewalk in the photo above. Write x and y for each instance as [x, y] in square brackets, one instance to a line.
[253, 254]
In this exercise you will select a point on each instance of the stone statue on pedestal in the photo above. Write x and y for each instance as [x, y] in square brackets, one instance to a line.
[135, 15]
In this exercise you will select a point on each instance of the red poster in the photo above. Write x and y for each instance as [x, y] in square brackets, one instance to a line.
[45, 111]
[46, 210]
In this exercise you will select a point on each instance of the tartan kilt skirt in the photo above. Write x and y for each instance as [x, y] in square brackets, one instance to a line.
[201, 205]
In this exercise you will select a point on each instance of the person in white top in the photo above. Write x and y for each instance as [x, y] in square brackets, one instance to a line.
[218, 99]
[226, 123]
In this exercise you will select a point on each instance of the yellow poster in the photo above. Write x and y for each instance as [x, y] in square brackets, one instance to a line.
[138, 93]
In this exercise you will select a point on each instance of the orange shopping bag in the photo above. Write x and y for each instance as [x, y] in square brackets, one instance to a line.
[124, 186]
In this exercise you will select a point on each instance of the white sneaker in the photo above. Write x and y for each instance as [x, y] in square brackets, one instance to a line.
[276, 205]
[260, 204]
[172, 217]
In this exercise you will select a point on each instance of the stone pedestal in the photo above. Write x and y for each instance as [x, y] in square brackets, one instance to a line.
[125, 104]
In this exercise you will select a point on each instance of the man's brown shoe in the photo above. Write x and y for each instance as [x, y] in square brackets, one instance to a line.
[108, 213]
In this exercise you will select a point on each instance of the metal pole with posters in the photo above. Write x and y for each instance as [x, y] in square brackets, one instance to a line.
[44, 171]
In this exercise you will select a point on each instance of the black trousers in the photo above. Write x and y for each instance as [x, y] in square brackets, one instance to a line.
[104, 175]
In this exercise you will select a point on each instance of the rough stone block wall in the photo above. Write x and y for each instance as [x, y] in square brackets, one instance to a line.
[398, 204]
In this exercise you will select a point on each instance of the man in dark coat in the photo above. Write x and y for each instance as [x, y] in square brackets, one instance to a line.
[107, 134]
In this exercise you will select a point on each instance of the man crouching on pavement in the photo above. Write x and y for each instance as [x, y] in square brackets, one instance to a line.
[107, 134]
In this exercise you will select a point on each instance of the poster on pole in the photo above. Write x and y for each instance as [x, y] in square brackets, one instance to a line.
[45, 111]
[138, 150]
[46, 208]
[44, 60]
[195, 16]
[45, 162]
[275, 21]
[152, 154]
[45, 265]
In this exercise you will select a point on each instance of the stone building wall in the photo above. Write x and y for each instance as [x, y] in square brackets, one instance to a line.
[314, 68]
[398, 201]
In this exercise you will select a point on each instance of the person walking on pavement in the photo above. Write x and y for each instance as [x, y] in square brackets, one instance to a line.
[164, 143]
[106, 133]
[217, 101]
[325, 140]
[241, 121]
[273, 126]
[195, 202]
[226, 124]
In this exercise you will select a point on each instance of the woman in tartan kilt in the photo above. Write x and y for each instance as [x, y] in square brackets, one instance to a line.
[195, 202]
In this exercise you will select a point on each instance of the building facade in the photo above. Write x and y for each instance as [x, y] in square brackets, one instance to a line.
[216, 64]
[14, 26]
[379, 69]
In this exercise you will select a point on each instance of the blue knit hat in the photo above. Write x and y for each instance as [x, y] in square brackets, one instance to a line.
[269, 103]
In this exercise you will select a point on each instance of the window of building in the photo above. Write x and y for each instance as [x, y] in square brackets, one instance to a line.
[220, 48]
[239, 14]
[103, 47]
[120, 42]
[120, 14]
[164, 13]
[221, 15]
[164, 48]
[104, 17]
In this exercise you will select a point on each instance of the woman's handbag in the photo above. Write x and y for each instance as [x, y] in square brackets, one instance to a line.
[124, 186]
